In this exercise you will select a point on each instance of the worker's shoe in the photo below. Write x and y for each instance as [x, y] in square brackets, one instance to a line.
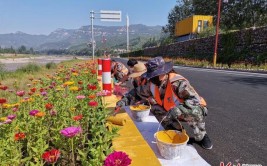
[206, 142]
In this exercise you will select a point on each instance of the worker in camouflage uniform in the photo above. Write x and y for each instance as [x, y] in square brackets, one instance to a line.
[173, 97]
[118, 70]
[140, 92]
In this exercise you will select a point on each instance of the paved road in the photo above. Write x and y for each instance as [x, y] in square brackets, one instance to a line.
[237, 117]
[13, 64]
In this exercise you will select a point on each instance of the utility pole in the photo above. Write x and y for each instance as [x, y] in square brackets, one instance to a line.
[92, 30]
[127, 31]
[217, 32]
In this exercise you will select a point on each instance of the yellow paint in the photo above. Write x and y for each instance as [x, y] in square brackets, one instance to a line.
[139, 107]
[170, 136]
[116, 120]
[130, 140]
[190, 24]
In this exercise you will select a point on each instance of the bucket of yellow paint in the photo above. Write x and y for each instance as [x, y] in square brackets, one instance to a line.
[139, 112]
[171, 143]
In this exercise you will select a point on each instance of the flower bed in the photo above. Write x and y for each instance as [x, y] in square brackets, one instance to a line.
[59, 119]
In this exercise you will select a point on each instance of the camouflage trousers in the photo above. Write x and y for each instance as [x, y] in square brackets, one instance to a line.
[194, 116]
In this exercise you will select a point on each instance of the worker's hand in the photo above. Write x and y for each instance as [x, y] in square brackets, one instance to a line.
[151, 100]
[117, 83]
[116, 110]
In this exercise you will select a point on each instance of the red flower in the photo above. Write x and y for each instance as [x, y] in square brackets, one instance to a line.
[49, 106]
[41, 89]
[3, 87]
[3, 100]
[51, 156]
[91, 87]
[93, 103]
[78, 117]
[33, 90]
[93, 71]
[80, 82]
[19, 136]
[117, 159]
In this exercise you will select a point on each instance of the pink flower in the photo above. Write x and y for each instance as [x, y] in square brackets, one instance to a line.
[20, 93]
[92, 103]
[33, 112]
[53, 112]
[103, 93]
[8, 121]
[80, 97]
[70, 132]
[11, 117]
[117, 158]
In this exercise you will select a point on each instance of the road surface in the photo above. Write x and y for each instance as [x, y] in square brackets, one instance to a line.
[236, 122]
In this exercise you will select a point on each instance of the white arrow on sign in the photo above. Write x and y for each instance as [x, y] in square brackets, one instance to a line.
[107, 15]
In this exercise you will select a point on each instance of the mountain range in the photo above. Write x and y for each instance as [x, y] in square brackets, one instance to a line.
[105, 37]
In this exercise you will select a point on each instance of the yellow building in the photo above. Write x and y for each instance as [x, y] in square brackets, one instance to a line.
[192, 25]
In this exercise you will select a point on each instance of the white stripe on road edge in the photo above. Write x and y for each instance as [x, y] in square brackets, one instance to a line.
[223, 71]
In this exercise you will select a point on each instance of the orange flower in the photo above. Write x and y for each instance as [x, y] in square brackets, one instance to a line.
[78, 117]
[80, 82]
[40, 114]
[49, 106]
[91, 96]
[19, 136]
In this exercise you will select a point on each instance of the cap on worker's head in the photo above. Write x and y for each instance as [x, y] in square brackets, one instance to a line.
[157, 66]
[138, 70]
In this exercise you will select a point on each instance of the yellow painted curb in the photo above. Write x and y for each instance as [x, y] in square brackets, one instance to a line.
[130, 140]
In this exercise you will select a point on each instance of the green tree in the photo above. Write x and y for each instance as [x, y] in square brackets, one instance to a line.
[22, 50]
[183, 9]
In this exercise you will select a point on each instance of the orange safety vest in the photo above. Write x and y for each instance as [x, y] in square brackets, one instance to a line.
[170, 99]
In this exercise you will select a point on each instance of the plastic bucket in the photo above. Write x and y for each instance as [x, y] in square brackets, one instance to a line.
[139, 112]
[171, 143]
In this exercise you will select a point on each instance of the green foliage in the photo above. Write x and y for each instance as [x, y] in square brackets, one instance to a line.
[209, 31]
[29, 68]
[51, 65]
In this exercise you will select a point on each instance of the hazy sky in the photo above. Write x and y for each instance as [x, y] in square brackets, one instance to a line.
[45, 16]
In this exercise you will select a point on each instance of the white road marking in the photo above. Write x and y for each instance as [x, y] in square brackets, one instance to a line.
[249, 74]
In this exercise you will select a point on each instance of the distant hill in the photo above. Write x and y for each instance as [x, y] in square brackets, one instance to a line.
[80, 38]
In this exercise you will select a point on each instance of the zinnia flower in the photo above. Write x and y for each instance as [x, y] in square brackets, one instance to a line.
[70, 132]
[117, 158]
[20, 93]
[40, 114]
[74, 88]
[11, 117]
[19, 136]
[93, 103]
[91, 96]
[3, 87]
[91, 87]
[3, 100]
[78, 117]
[80, 97]
[53, 112]
[51, 156]
[68, 83]
[33, 90]
[49, 106]
[103, 93]
[33, 112]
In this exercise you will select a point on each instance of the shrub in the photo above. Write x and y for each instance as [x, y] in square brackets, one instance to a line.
[51, 65]
[29, 68]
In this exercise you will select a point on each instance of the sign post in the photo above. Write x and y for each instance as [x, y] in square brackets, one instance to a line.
[105, 15]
